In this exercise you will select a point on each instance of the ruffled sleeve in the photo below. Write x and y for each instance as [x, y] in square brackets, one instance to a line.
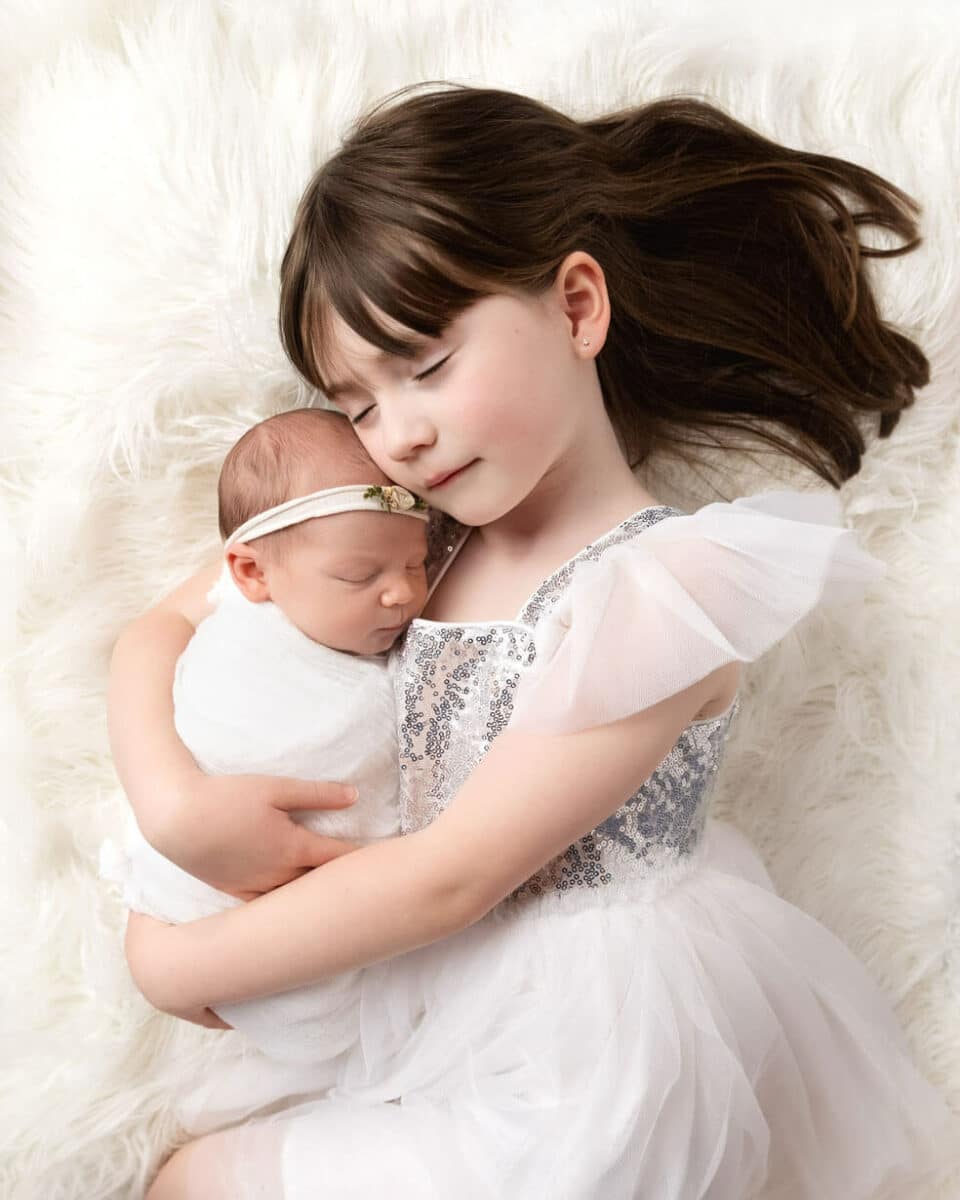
[687, 594]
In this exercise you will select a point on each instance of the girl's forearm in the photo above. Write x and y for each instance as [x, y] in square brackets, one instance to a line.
[369, 905]
[530, 798]
[151, 761]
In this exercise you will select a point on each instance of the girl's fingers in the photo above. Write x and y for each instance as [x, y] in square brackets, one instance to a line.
[319, 849]
[201, 1016]
[314, 793]
[209, 1018]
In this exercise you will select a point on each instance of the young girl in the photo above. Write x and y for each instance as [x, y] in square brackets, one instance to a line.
[578, 984]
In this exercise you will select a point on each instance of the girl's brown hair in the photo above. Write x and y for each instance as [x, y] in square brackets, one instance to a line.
[736, 277]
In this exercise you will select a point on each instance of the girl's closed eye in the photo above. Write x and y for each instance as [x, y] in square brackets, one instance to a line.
[355, 420]
[430, 370]
[360, 415]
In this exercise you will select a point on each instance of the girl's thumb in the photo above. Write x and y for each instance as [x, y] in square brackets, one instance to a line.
[316, 793]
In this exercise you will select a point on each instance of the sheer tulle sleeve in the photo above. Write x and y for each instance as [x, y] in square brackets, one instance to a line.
[686, 595]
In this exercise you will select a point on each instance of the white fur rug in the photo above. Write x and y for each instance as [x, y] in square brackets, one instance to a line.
[152, 154]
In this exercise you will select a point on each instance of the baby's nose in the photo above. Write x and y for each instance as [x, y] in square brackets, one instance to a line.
[400, 591]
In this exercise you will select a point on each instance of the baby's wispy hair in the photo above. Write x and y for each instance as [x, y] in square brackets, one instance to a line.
[291, 454]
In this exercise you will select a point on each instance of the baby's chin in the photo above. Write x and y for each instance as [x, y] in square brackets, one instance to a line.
[371, 642]
[381, 641]
[385, 644]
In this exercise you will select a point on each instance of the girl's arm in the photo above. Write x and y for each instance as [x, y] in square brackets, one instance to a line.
[153, 764]
[231, 831]
[530, 798]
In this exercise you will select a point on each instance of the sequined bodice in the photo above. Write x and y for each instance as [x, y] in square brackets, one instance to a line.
[455, 685]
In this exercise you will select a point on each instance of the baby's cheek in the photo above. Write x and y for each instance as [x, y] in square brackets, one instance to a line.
[420, 591]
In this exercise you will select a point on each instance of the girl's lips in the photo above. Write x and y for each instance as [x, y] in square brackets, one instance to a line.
[440, 480]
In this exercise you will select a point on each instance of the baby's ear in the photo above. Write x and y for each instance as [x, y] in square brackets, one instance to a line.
[248, 574]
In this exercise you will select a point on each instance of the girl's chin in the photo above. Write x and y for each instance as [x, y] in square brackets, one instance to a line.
[476, 514]
[473, 506]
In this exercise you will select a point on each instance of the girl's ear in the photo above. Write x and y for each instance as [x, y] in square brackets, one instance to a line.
[581, 290]
[248, 573]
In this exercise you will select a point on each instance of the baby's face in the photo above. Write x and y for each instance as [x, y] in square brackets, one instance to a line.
[355, 581]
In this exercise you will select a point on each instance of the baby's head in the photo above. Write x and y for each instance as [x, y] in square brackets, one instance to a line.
[350, 580]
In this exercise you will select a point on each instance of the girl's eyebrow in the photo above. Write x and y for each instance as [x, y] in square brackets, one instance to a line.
[333, 390]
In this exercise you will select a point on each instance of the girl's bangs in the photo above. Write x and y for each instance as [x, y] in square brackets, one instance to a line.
[397, 292]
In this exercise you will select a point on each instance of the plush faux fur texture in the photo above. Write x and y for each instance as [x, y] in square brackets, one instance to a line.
[152, 154]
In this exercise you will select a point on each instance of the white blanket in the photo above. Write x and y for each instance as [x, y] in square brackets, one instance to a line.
[254, 695]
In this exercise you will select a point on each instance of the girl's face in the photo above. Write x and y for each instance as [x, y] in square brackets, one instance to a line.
[482, 417]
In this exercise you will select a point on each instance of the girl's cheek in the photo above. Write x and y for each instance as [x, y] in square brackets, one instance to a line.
[371, 444]
[513, 420]
[486, 412]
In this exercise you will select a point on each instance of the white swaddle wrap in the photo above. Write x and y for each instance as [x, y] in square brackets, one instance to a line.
[254, 695]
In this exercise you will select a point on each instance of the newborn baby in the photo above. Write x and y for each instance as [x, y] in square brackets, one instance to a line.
[324, 567]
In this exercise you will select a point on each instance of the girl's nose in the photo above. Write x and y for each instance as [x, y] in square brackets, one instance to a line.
[405, 433]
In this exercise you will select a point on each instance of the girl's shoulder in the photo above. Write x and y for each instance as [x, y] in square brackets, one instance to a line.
[660, 603]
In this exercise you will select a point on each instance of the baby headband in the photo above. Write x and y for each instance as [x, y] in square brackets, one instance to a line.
[354, 498]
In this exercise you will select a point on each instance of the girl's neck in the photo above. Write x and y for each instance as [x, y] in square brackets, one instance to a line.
[500, 565]
[585, 493]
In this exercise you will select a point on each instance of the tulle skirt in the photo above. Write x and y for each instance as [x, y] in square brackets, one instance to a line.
[701, 1039]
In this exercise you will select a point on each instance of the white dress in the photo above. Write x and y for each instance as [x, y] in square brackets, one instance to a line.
[252, 694]
[644, 1019]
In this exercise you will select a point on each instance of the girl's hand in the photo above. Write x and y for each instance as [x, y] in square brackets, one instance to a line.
[202, 1016]
[144, 945]
[235, 831]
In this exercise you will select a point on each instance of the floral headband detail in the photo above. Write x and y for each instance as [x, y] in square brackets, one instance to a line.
[354, 498]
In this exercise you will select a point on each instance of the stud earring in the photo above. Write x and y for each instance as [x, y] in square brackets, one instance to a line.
[586, 341]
